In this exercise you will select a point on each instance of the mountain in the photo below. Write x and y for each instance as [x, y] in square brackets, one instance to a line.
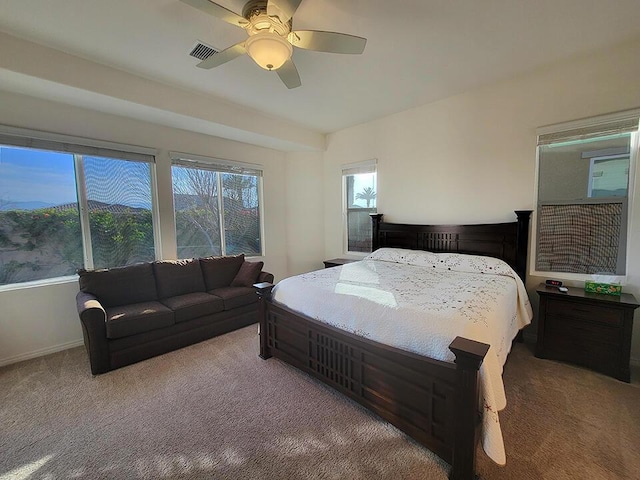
[24, 206]
[94, 206]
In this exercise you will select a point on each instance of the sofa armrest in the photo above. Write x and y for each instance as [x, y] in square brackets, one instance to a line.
[93, 318]
[265, 277]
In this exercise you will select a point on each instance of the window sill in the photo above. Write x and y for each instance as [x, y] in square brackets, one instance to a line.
[39, 283]
[578, 277]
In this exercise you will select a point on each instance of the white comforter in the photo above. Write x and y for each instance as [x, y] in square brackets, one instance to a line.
[420, 301]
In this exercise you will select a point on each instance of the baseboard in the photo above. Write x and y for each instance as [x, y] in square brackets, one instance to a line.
[39, 353]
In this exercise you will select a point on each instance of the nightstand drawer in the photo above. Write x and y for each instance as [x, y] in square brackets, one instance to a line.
[582, 330]
[599, 357]
[583, 311]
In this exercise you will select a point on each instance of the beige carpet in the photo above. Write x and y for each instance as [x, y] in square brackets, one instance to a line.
[215, 410]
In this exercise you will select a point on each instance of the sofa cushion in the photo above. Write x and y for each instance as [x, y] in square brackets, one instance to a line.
[178, 277]
[248, 274]
[235, 297]
[220, 271]
[193, 305]
[121, 285]
[125, 320]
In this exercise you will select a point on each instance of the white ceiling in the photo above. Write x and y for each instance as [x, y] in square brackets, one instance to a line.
[418, 51]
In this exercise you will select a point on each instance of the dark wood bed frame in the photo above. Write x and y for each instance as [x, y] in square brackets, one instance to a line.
[434, 402]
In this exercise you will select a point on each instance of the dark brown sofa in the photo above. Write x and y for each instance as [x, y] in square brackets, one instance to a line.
[139, 311]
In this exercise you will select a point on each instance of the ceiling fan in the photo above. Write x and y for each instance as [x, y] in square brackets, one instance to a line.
[271, 39]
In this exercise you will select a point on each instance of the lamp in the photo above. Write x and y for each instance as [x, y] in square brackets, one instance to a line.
[269, 50]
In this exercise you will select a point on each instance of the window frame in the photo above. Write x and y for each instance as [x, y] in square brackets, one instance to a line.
[634, 155]
[219, 165]
[79, 147]
[367, 166]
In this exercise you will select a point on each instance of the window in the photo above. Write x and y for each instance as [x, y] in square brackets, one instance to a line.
[119, 208]
[359, 201]
[208, 193]
[67, 206]
[583, 197]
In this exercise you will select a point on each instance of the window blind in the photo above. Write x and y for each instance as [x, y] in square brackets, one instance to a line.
[368, 166]
[61, 143]
[215, 164]
[593, 131]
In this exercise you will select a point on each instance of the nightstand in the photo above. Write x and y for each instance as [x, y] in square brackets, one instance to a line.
[587, 329]
[336, 262]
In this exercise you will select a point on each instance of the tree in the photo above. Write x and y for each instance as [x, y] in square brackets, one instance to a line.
[242, 222]
[199, 196]
[46, 241]
[367, 194]
[197, 217]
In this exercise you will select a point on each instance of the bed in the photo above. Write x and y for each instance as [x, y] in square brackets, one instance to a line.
[431, 397]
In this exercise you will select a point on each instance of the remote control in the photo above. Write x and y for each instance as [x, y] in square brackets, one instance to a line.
[563, 289]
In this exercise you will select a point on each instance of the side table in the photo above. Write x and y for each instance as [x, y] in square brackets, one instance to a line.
[587, 329]
[336, 262]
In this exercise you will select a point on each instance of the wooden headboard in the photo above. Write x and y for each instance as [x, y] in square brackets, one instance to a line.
[507, 241]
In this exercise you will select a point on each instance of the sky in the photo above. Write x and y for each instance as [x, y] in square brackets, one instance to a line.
[363, 180]
[29, 175]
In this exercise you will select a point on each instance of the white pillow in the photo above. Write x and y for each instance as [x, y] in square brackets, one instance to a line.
[472, 264]
[457, 262]
[402, 255]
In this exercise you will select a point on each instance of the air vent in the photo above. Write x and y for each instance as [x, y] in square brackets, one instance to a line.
[202, 51]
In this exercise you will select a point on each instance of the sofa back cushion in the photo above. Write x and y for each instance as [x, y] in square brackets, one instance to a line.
[178, 277]
[121, 285]
[248, 274]
[220, 271]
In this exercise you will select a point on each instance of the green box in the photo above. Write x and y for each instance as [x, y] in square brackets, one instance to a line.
[603, 288]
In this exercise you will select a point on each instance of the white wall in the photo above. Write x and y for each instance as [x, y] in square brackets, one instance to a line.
[305, 212]
[472, 158]
[43, 319]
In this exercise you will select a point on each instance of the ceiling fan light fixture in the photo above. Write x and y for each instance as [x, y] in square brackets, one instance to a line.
[269, 50]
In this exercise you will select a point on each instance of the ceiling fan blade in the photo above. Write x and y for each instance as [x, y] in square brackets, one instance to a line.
[330, 42]
[223, 57]
[288, 73]
[217, 11]
[283, 9]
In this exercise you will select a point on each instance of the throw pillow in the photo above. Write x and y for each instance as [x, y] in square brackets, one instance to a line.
[248, 274]
[220, 271]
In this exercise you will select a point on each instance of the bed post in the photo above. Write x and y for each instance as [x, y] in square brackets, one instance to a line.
[469, 356]
[264, 293]
[522, 242]
[376, 218]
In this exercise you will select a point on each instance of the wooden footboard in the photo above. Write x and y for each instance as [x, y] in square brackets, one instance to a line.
[434, 402]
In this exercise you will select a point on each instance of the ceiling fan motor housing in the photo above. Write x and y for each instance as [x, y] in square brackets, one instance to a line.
[255, 11]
